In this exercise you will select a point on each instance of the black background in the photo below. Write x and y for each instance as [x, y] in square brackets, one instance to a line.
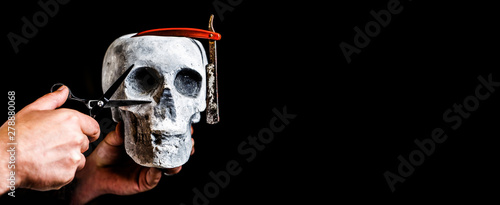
[353, 119]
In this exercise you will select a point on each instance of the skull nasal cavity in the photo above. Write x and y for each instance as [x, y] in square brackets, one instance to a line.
[166, 106]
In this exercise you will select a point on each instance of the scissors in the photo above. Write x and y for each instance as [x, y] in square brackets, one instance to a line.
[95, 106]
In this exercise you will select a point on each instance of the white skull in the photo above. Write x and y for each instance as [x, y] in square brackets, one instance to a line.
[170, 72]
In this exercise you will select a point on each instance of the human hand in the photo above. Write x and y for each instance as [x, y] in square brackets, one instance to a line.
[50, 142]
[109, 170]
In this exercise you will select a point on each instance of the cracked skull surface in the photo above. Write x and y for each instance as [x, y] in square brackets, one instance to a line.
[169, 72]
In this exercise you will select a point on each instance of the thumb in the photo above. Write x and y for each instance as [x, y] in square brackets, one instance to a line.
[50, 101]
[115, 139]
[149, 178]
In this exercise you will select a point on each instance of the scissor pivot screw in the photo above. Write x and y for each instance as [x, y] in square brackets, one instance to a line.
[100, 103]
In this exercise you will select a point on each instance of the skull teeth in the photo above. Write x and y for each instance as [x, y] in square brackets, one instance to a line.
[159, 139]
[165, 143]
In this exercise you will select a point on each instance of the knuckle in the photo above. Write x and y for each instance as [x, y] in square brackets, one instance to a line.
[81, 139]
[68, 115]
[85, 148]
[78, 140]
[72, 117]
[95, 127]
[75, 159]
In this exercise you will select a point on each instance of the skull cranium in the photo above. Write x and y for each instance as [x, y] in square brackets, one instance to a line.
[169, 72]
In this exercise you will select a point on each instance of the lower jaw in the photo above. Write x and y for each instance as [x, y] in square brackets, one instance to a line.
[171, 151]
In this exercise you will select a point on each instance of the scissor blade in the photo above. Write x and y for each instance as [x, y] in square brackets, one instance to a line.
[111, 90]
[116, 84]
[118, 103]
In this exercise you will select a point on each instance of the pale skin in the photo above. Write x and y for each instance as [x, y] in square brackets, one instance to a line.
[50, 142]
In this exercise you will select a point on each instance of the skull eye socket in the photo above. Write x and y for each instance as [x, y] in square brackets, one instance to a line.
[144, 79]
[188, 82]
